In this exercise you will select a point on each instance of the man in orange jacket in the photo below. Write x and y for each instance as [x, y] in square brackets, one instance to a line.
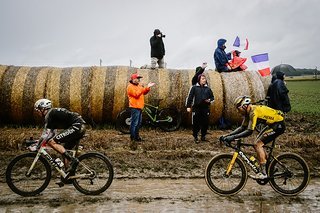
[136, 92]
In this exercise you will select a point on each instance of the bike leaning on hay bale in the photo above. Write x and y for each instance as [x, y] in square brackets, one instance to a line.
[29, 174]
[168, 119]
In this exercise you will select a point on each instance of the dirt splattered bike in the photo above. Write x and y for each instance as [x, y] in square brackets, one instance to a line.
[226, 174]
[30, 173]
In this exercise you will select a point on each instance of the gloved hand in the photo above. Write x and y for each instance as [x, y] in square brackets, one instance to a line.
[228, 139]
[221, 139]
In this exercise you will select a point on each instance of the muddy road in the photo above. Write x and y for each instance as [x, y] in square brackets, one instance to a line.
[162, 195]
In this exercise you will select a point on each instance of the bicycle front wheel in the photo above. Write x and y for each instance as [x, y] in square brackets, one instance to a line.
[169, 119]
[123, 121]
[221, 183]
[94, 174]
[289, 174]
[28, 185]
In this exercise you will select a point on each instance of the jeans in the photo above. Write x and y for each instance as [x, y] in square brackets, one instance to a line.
[136, 118]
[154, 62]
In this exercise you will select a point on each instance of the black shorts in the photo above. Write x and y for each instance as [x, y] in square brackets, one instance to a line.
[69, 137]
[273, 132]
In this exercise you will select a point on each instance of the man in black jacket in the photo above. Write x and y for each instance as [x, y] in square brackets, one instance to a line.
[157, 49]
[278, 94]
[200, 97]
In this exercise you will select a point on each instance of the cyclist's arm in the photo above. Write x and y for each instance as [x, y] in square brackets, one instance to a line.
[47, 134]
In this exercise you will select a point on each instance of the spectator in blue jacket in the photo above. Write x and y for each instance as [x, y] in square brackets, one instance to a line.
[221, 58]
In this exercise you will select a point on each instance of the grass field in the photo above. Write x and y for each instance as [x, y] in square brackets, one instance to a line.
[305, 96]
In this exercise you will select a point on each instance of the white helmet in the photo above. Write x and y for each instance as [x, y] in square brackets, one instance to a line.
[43, 104]
[241, 101]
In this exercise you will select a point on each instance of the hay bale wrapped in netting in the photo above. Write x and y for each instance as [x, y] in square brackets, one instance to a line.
[234, 85]
[69, 88]
[257, 88]
[20, 88]
[240, 83]
[99, 93]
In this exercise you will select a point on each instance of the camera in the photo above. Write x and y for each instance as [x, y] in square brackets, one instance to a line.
[163, 36]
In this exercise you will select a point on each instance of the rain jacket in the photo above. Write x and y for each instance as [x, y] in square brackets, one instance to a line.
[237, 62]
[157, 47]
[221, 58]
[197, 96]
[278, 94]
[136, 95]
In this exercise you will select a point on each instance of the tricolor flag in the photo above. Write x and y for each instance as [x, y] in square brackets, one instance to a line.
[236, 42]
[246, 46]
[262, 63]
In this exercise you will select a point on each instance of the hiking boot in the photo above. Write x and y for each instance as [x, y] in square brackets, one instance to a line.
[259, 176]
[196, 140]
[203, 139]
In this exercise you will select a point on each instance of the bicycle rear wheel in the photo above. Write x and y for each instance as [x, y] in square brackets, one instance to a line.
[123, 121]
[289, 174]
[33, 184]
[169, 119]
[94, 174]
[221, 183]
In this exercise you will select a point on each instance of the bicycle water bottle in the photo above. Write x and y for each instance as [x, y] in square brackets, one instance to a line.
[254, 161]
[59, 162]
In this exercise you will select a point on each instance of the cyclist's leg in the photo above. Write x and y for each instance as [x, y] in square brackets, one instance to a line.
[266, 137]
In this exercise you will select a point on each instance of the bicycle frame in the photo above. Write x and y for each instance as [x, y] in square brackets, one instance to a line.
[246, 159]
[42, 152]
[152, 114]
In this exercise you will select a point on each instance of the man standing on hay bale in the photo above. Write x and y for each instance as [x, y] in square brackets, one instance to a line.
[136, 92]
[157, 49]
[200, 97]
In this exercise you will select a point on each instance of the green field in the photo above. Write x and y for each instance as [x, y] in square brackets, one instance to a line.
[305, 96]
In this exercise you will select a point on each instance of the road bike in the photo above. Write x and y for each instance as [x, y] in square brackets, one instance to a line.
[227, 174]
[30, 173]
[168, 119]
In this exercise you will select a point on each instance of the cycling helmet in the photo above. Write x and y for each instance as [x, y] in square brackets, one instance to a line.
[43, 104]
[242, 101]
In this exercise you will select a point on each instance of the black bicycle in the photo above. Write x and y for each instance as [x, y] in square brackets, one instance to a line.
[30, 173]
[168, 119]
[226, 174]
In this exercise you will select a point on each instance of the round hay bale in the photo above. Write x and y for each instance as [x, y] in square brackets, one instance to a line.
[256, 86]
[99, 93]
[69, 88]
[215, 83]
[234, 85]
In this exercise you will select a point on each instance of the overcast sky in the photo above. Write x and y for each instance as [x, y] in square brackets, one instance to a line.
[67, 33]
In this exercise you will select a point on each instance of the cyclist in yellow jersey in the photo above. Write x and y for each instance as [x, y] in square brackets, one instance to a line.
[254, 114]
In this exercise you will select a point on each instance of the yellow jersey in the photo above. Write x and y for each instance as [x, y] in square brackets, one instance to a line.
[262, 114]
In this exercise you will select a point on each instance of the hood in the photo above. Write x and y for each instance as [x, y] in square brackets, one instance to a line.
[221, 42]
[280, 75]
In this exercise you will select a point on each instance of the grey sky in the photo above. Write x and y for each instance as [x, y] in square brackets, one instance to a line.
[79, 32]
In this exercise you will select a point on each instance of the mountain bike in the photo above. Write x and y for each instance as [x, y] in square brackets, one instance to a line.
[226, 174]
[30, 173]
[168, 119]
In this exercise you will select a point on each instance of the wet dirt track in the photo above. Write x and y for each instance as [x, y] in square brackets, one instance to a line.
[162, 195]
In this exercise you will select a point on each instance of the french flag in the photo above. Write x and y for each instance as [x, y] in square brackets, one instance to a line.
[262, 63]
[237, 43]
